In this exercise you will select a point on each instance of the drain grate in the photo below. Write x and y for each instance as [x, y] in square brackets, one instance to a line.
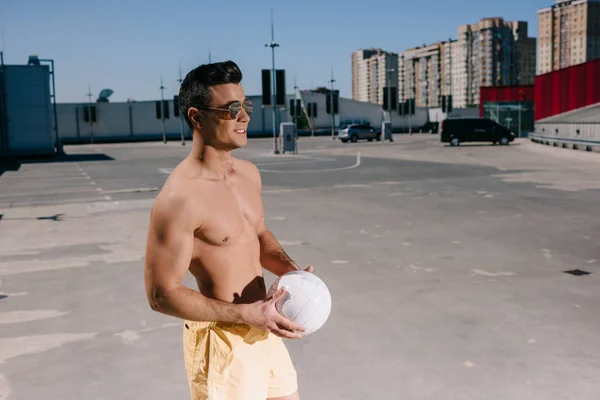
[577, 272]
[57, 217]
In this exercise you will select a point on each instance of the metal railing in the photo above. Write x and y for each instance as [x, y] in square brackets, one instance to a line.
[579, 135]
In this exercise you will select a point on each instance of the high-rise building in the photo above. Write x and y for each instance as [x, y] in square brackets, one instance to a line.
[454, 72]
[428, 72]
[569, 34]
[372, 71]
[493, 52]
[423, 74]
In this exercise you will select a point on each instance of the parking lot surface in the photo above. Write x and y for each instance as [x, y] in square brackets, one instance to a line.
[447, 268]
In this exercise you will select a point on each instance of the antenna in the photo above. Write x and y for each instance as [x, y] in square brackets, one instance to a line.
[272, 45]
[209, 58]
[180, 80]
[272, 26]
[2, 48]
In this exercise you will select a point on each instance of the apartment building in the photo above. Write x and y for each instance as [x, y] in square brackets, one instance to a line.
[569, 34]
[428, 72]
[423, 77]
[494, 52]
[455, 73]
[372, 70]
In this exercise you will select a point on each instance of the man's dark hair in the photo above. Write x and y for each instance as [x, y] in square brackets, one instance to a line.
[194, 91]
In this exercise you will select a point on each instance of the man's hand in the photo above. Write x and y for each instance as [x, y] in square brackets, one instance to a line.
[309, 269]
[264, 316]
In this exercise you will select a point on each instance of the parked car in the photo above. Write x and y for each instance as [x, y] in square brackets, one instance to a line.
[356, 132]
[458, 130]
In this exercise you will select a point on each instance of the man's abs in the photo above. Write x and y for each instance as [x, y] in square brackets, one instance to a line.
[229, 273]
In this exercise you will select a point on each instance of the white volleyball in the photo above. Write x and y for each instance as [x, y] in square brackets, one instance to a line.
[307, 300]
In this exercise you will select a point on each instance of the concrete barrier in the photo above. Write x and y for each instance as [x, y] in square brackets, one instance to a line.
[573, 144]
[570, 135]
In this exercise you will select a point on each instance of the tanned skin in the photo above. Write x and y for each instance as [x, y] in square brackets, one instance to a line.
[208, 220]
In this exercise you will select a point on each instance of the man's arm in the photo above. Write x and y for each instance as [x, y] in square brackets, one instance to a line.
[272, 256]
[168, 254]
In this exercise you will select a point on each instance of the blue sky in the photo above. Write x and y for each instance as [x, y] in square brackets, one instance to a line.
[127, 45]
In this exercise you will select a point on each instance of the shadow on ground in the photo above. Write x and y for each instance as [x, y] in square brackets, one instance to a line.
[467, 144]
[14, 163]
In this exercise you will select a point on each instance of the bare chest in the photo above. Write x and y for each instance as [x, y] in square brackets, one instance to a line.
[232, 213]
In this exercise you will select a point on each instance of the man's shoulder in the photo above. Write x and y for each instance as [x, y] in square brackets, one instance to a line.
[177, 197]
[170, 200]
[247, 165]
[249, 169]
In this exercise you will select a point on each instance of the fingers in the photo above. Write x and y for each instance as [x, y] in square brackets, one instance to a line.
[283, 322]
[282, 332]
[278, 294]
[309, 269]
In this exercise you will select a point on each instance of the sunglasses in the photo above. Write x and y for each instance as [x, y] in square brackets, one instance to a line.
[234, 108]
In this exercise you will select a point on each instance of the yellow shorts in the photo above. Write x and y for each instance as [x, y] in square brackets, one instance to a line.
[226, 361]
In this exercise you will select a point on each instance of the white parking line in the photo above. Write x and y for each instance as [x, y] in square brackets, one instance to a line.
[355, 165]
[132, 190]
[284, 190]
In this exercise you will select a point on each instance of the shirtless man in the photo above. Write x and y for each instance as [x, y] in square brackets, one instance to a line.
[208, 219]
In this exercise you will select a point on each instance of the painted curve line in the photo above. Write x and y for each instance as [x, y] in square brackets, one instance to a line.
[355, 165]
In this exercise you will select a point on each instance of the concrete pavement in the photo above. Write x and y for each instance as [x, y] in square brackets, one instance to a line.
[446, 267]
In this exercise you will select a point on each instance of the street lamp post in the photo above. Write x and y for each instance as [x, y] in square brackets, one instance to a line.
[162, 105]
[89, 95]
[272, 44]
[180, 80]
[332, 112]
[295, 101]
[389, 85]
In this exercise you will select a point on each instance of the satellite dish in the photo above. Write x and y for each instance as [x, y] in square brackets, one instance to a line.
[104, 95]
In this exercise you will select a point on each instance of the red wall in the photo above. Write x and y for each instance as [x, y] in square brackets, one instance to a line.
[504, 93]
[567, 89]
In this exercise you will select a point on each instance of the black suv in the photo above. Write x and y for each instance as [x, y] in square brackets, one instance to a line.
[458, 130]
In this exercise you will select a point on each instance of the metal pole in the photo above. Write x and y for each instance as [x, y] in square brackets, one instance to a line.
[58, 149]
[414, 89]
[162, 113]
[332, 113]
[56, 139]
[295, 101]
[90, 114]
[450, 77]
[389, 79]
[3, 133]
[274, 100]
[389, 100]
[180, 80]
[409, 118]
[519, 118]
[272, 45]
